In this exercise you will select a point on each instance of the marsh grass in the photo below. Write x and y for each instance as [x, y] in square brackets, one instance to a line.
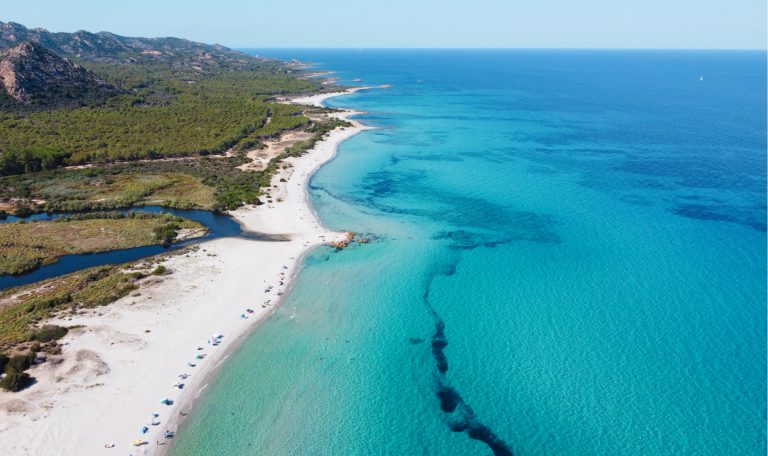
[25, 246]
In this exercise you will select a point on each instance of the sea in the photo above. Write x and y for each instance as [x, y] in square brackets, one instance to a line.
[567, 256]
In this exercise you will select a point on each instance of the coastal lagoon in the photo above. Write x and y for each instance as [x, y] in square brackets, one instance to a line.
[218, 225]
[567, 257]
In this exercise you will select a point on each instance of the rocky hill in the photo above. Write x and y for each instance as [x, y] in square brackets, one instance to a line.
[105, 47]
[34, 77]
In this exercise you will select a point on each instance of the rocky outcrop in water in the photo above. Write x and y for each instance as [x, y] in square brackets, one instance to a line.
[343, 243]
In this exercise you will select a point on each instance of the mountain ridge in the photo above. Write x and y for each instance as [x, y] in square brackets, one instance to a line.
[107, 47]
[33, 76]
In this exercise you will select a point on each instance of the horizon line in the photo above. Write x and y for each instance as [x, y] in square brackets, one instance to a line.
[316, 48]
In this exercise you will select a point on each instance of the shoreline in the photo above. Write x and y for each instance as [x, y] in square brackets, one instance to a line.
[118, 367]
[176, 422]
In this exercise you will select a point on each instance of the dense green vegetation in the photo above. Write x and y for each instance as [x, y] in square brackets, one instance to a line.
[213, 183]
[282, 117]
[129, 130]
[26, 245]
[207, 182]
[108, 188]
[32, 159]
[319, 130]
[168, 112]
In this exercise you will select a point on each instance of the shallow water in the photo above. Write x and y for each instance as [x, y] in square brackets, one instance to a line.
[569, 258]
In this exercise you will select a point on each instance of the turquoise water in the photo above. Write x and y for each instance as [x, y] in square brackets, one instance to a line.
[569, 259]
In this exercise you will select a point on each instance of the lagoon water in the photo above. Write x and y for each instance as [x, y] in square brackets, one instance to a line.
[218, 225]
[569, 259]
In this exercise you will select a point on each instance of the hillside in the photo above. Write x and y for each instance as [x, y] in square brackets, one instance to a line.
[105, 47]
[35, 77]
[174, 98]
[178, 130]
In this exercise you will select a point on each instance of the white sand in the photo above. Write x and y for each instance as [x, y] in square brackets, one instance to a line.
[317, 100]
[114, 373]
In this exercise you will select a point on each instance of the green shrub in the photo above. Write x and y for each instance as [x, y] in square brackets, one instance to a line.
[160, 270]
[52, 349]
[48, 333]
[167, 233]
[19, 363]
[22, 211]
[15, 381]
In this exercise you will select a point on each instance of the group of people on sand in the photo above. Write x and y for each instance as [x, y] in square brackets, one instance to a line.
[281, 279]
[155, 421]
[214, 341]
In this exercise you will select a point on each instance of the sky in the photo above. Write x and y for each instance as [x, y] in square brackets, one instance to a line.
[655, 24]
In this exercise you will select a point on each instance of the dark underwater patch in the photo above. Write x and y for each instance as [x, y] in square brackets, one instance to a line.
[758, 225]
[702, 212]
[485, 435]
[723, 213]
[477, 221]
[449, 399]
[460, 416]
[541, 169]
[438, 347]
[434, 157]
[637, 200]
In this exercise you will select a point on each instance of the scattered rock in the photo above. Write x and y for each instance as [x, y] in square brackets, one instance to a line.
[343, 243]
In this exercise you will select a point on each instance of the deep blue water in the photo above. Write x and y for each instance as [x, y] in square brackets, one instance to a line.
[219, 225]
[569, 260]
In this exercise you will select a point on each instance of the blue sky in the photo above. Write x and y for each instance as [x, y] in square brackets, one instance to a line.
[678, 24]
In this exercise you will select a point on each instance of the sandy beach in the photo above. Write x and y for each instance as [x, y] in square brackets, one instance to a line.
[128, 357]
